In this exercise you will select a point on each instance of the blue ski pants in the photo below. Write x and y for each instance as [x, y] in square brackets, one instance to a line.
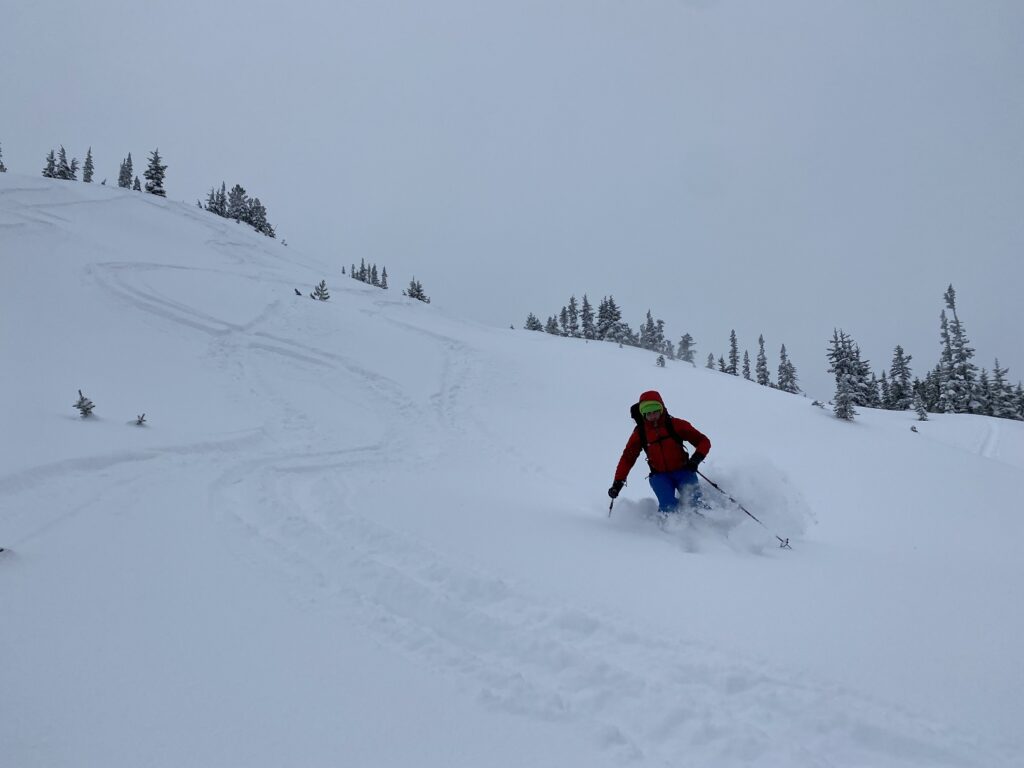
[665, 485]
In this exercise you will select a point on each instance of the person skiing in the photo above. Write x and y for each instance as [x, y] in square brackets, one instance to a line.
[661, 437]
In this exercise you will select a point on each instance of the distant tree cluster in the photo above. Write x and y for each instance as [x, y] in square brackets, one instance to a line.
[58, 167]
[577, 319]
[415, 291]
[787, 378]
[237, 205]
[953, 386]
[368, 273]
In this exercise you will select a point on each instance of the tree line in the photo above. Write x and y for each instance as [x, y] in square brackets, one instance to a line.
[578, 319]
[954, 385]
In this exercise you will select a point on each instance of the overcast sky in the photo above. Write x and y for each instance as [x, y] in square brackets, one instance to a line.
[775, 167]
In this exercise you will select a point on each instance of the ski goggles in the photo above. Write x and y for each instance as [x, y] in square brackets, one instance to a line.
[651, 408]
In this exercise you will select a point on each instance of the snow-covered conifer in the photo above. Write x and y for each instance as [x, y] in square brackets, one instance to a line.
[845, 366]
[788, 379]
[136, 185]
[89, 168]
[901, 396]
[660, 361]
[573, 317]
[155, 175]
[746, 365]
[962, 374]
[922, 413]
[415, 291]
[552, 326]
[587, 327]
[884, 391]
[734, 355]
[50, 169]
[711, 361]
[84, 405]
[238, 203]
[532, 323]
[761, 367]
[686, 349]
[384, 278]
[1001, 398]
[722, 367]
[320, 292]
[124, 176]
[63, 170]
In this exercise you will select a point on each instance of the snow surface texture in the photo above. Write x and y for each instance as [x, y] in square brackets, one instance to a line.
[364, 532]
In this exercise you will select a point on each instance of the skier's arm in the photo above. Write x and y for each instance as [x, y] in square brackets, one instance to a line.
[628, 459]
[693, 436]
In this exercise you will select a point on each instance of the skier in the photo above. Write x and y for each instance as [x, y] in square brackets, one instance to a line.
[661, 437]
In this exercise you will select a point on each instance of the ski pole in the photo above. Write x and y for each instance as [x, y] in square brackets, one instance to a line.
[783, 542]
[610, 505]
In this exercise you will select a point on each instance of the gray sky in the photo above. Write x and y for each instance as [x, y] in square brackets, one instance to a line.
[774, 167]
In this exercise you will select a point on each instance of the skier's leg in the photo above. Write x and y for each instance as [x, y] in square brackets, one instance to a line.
[664, 487]
[689, 490]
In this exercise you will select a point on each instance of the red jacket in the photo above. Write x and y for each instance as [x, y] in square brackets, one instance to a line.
[663, 453]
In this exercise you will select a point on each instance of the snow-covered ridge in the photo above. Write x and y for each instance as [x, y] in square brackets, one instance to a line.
[366, 532]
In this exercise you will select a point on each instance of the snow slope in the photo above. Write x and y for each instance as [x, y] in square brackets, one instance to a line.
[365, 532]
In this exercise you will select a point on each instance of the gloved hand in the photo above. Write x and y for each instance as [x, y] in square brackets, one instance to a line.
[616, 487]
[694, 461]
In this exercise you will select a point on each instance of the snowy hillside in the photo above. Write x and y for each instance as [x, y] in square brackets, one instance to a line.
[365, 532]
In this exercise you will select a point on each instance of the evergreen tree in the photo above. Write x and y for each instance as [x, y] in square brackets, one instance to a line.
[872, 397]
[155, 175]
[961, 381]
[3, 168]
[722, 367]
[922, 413]
[901, 396]
[983, 394]
[563, 321]
[686, 350]
[711, 361]
[50, 169]
[734, 355]
[124, 176]
[885, 391]
[648, 333]
[89, 168]
[746, 365]
[845, 366]
[787, 373]
[238, 203]
[384, 278]
[222, 200]
[415, 291]
[609, 319]
[374, 276]
[136, 186]
[532, 323]
[552, 326]
[63, 170]
[660, 361]
[588, 328]
[573, 318]
[762, 364]
[1002, 399]
[320, 292]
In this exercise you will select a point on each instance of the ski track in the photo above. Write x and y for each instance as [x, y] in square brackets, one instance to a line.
[640, 696]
